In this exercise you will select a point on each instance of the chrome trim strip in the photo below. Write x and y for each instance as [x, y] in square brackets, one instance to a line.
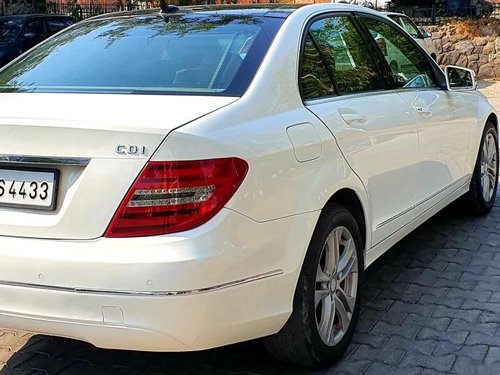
[395, 217]
[24, 159]
[334, 98]
[388, 238]
[460, 181]
[145, 293]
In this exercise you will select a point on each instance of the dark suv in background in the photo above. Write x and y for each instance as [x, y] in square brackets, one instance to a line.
[20, 33]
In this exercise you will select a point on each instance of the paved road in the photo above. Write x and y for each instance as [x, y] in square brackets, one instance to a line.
[492, 90]
[431, 306]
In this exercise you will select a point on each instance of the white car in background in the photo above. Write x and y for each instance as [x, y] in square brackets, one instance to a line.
[186, 179]
[423, 38]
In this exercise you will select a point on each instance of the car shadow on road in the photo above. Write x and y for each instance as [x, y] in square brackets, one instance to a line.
[51, 355]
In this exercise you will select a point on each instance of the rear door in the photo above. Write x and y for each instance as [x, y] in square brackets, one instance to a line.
[444, 118]
[342, 84]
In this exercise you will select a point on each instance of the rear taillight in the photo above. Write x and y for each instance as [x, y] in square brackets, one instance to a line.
[174, 196]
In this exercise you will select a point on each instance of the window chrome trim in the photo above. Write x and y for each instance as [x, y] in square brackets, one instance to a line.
[156, 293]
[25, 159]
[363, 94]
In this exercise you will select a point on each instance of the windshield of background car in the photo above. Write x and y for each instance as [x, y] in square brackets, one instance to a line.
[9, 28]
[410, 27]
[191, 54]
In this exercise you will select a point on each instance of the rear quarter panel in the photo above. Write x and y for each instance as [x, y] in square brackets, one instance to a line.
[255, 129]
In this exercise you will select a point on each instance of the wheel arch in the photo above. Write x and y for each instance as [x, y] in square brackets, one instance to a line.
[493, 119]
[350, 200]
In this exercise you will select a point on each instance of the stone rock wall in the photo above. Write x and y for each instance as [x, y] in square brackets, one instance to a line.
[479, 51]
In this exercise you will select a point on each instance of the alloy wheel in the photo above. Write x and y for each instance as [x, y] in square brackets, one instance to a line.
[489, 156]
[336, 286]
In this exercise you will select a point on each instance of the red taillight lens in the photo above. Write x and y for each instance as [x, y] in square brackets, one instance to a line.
[174, 196]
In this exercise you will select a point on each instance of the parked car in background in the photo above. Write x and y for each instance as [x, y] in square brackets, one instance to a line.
[20, 33]
[422, 37]
[227, 175]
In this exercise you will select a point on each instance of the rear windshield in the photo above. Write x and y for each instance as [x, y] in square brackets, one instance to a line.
[196, 54]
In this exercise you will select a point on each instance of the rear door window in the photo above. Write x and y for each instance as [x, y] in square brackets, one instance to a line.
[410, 27]
[314, 81]
[346, 55]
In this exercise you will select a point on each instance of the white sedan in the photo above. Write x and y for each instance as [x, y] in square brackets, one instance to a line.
[186, 179]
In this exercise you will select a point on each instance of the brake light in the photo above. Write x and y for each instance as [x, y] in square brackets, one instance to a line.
[174, 196]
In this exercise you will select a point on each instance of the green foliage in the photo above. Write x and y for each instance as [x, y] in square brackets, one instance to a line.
[74, 9]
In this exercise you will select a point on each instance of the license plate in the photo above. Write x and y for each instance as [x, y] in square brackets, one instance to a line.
[28, 188]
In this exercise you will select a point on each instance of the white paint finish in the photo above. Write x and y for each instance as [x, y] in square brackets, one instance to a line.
[227, 248]
[444, 122]
[112, 315]
[382, 150]
[266, 226]
[152, 324]
[484, 110]
[52, 125]
[101, 112]
[306, 142]
[263, 142]
[87, 199]
[422, 214]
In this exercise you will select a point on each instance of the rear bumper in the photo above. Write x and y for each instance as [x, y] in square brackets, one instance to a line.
[132, 322]
[228, 281]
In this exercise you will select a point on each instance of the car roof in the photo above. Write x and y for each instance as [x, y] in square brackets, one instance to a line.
[269, 10]
[252, 10]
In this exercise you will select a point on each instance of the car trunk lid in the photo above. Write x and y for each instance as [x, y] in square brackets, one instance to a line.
[97, 144]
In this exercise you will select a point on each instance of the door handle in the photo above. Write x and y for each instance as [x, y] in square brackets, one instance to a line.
[354, 117]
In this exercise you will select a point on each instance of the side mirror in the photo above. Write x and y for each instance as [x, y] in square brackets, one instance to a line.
[426, 34]
[460, 78]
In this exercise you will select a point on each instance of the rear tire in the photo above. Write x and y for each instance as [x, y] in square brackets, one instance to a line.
[483, 187]
[327, 298]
